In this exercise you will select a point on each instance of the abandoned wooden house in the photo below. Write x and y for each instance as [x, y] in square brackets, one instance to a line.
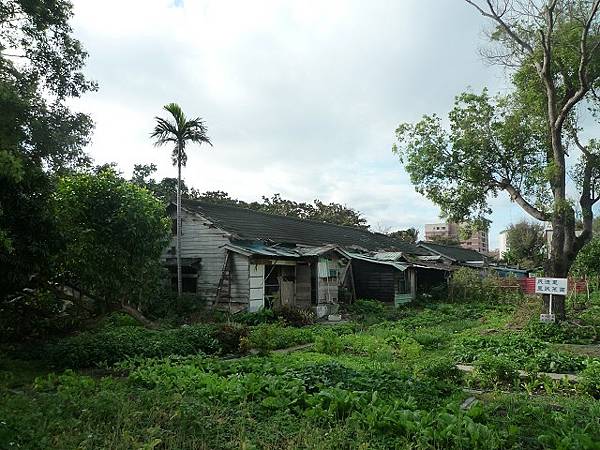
[242, 259]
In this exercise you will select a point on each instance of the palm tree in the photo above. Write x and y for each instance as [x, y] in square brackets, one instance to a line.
[179, 132]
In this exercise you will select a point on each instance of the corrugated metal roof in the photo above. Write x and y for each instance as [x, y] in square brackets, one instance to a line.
[257, 248]
[371, 259]
[388, 256]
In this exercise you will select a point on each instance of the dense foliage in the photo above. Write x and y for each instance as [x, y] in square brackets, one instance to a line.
[526, 245]
[114, 232]
[40, 69]
[391, 384]
[520, 142]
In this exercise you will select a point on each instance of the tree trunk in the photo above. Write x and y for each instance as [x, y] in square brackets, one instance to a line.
[138, 316]
[178, 244]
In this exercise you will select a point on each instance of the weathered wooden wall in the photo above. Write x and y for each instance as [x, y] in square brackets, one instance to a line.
[201, 239]
[303, 285]
[328, 286]
[373, 281]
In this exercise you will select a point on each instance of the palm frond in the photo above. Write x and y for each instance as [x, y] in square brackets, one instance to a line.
[179, 131]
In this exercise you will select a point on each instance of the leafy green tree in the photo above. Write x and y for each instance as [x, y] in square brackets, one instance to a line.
[587, 263]
[178, 132]
[114, 234]
[519, 142]
[409, 235]
[40, 68]
[165, 189]
[526, 243]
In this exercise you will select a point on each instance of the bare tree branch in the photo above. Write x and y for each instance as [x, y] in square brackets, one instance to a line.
[497, 17]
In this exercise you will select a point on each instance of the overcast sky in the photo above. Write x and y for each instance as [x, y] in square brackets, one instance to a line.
[300, 97]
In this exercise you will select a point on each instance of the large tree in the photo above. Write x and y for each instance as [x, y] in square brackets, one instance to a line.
[114, 234]
[526, 244]
[178, 131]
[409, 235]
[40, 69]
[521, 142]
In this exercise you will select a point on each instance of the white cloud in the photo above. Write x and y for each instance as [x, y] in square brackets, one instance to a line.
[300, 97]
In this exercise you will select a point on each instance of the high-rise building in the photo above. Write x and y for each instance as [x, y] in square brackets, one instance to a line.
[503, 243]
[478, 241]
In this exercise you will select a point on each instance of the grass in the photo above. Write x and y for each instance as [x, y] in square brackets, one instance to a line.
[379, 383]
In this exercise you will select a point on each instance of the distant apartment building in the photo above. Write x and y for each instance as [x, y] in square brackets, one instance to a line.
[478, 241]
[503, 243]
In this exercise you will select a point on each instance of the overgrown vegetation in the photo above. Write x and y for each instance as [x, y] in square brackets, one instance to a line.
[375, 383]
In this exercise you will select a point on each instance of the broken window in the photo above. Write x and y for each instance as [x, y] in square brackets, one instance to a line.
[189, 279]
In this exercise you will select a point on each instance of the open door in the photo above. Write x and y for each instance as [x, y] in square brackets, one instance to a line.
[286, 280]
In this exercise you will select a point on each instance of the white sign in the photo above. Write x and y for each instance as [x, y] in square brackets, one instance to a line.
[546, 318]
[553, 286]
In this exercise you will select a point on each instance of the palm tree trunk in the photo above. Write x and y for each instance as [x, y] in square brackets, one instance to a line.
[178, 245]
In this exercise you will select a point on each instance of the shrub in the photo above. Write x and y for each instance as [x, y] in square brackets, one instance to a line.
[370, 311]
[441, 368]
[405, 347]
[470, 285]
[255, 318]
[166, 304]
[268, 337]
[329, 343]
[110, 345]
[118, 319]
[589, 379]
[562, 332]
[368, 345]
[295, 317]
[432, 338]
[34, 315]
[328, 374]
[230, 335]
[492, 371]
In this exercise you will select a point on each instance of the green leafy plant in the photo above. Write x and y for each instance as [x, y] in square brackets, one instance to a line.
[494, 371]
[441, 368]
[589, 379]
[329, 343]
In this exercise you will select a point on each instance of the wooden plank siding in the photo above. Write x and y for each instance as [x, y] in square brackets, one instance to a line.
[202, 239]
[374, 281]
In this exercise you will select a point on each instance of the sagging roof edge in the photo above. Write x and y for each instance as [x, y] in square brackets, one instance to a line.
[274, 252]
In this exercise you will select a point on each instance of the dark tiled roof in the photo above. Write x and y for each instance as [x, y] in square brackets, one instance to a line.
[254, 225]
[456, 253]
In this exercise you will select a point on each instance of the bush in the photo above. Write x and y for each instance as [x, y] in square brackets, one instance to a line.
[168, 305]
[230, 335]
[329, 343]
[492, 371]
[370, 311]
[255, 318]
[110, 345]
[469, 285]
[295, 317]
[368, 345]
[562, 332]
[35, 315]
[441, 368]
[268, 337]
[589, 379]
[118, 319]
[432, 338]
[405, 347]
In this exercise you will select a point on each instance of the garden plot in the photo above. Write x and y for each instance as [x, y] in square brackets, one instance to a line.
[388, 380]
